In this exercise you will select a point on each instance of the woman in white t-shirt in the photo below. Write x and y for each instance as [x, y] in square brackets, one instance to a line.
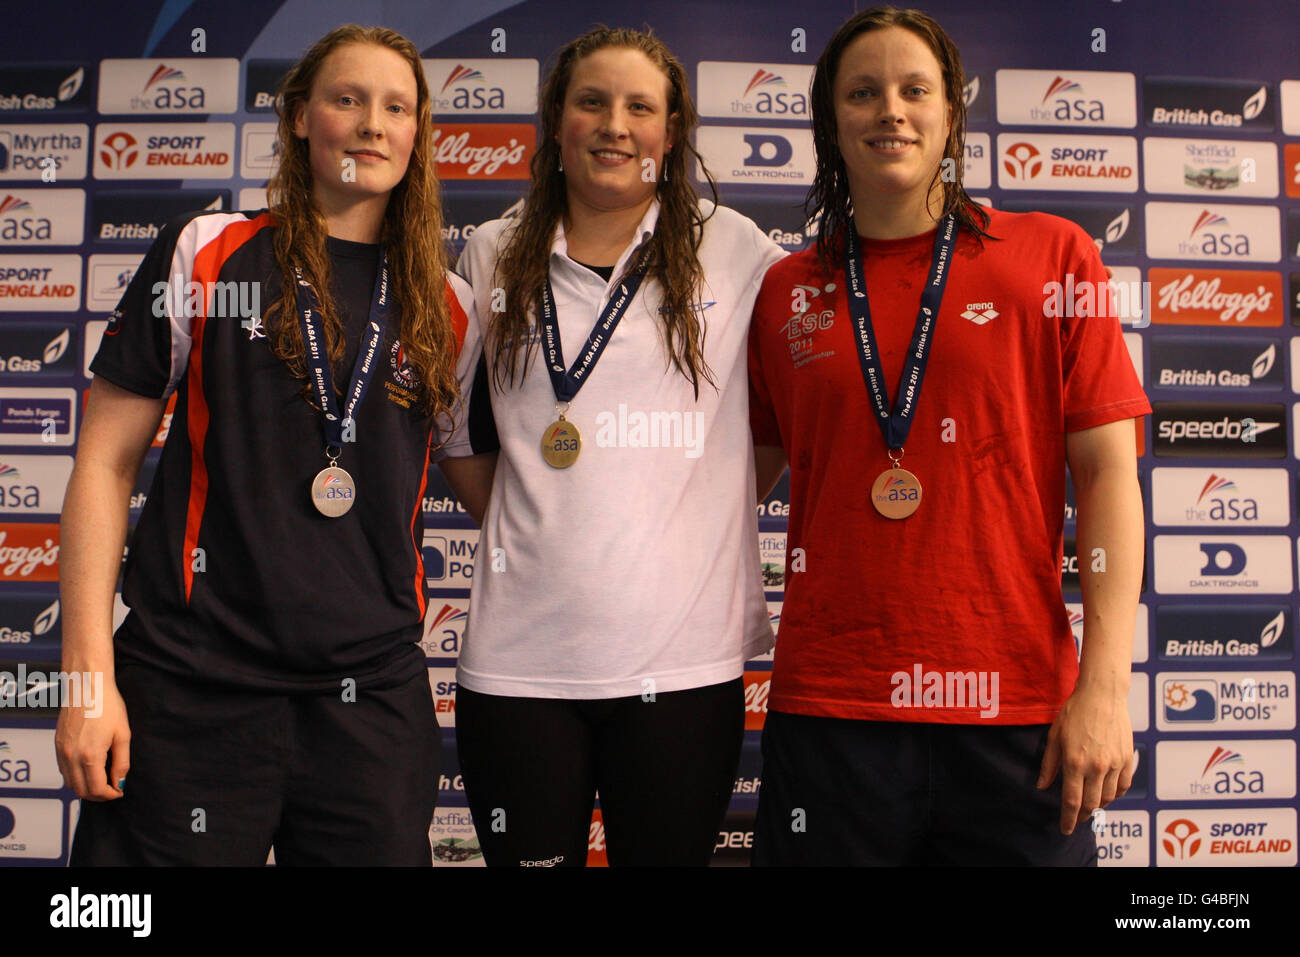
[618, 590]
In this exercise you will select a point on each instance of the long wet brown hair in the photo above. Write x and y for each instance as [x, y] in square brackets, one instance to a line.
[671, 255]
[829, 196]
[411, 235]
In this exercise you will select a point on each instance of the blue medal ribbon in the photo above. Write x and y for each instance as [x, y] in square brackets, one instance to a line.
[567, 383]
[895, 426]
[363, 370]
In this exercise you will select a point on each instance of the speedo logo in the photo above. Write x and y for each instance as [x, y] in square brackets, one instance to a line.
[1221, 429]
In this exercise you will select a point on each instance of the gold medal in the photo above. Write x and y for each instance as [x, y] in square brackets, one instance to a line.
[896, 492]
[333, 491]
[561, 443]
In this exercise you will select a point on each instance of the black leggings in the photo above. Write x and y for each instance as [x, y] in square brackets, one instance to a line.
[665, 770]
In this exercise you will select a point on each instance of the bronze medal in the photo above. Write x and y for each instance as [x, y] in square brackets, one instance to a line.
[561, 443]
[896, 493]
[333, 492]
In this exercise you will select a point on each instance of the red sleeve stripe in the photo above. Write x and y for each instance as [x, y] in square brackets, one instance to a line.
[211, 256]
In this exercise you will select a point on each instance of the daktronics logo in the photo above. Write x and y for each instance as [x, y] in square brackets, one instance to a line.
[1078, 98]
[1257, 701]
[1212, 104]
[1051, 162]
[1229, 632]
[482, 86]
[1235, 497]
[29, 552]
[1195, 565]
[1220, 837]
[738, 154]
[1225, 770]
[1213, 232]
[483, 150]
[1216, 297]
[1219, 430]
[164, 150]
[757, 90]
[758, 684]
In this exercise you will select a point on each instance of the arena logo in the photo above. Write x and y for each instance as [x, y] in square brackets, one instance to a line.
[1179, 364]
[1219, 429]
[1200, 167]
[1257, 701]
[164, 150]
[756, 90]
[1227, 837]
[137, 216]
[1228, 632]
[738, 154]
[1197, 565]
[1055, 162]
[977, 165]
[43, 151]
[1216, 297]
[1212, 104]
[1248, 498]
[33, 88]
[483, 150]
[1225, 770]
[51, 217]
[1079, 98]
[1213, 232]
[175, 85]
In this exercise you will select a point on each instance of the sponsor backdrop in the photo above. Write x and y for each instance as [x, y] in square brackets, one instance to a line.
[1177, 148]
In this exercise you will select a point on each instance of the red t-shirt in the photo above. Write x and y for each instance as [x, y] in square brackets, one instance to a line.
[885, 619]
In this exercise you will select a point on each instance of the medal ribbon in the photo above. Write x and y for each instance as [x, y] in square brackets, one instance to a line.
[896, 426]
[363, 370]
[567, 384]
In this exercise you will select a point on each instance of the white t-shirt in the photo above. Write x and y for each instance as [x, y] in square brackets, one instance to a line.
[636, 569]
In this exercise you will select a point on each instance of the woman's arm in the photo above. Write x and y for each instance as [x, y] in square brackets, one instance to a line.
[118, 428]
[470, 480]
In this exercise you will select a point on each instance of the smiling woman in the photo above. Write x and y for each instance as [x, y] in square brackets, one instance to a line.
[625, 590]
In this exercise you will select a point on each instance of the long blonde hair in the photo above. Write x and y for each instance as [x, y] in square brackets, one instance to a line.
[411, 234]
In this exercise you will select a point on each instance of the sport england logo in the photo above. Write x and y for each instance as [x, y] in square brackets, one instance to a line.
[1072, 163]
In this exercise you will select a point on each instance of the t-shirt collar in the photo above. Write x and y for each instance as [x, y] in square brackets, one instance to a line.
[645, 229]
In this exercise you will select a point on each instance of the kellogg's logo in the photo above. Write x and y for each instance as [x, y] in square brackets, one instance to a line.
[1216, 297]
[484, 150]
[757, 686]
